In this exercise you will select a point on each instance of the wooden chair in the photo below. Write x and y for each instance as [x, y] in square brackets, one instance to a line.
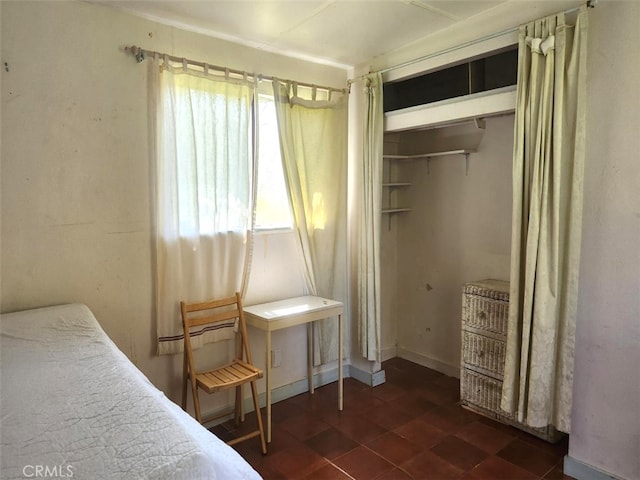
[232, 375]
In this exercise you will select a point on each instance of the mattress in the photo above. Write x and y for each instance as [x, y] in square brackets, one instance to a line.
[73, 405]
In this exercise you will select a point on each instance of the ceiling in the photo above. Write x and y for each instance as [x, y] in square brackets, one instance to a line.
[336, 32]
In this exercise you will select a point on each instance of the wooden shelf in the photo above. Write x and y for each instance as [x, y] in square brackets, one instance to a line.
[392, 185]
[428, 155]
[396, 184]
[453, 111]
[395, 210]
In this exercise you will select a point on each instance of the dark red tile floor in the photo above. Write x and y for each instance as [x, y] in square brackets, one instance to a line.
[412, 426]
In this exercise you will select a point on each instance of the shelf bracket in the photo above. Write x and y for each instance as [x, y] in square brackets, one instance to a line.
[480, 123]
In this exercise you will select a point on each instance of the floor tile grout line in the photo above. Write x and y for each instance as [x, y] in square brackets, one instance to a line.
[339, 468]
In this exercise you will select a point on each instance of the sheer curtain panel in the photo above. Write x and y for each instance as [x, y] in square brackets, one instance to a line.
[370, 213]
[547, 220]
[202, 198]
[313, 142]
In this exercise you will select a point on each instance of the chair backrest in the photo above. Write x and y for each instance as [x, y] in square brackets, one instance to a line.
[212, 312]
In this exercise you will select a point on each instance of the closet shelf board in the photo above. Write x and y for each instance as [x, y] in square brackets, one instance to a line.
[395, 210]
[396, 184]
[429, 154]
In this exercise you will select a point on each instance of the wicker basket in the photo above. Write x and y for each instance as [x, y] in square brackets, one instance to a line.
[485, 314]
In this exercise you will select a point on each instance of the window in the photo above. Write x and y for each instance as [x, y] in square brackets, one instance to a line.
[211, 139]
[493, 71]
[272, 205]
[204, 162]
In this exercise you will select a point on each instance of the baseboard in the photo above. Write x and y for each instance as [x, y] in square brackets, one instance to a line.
[425, 361]
[388, 353]
[577, 469]
[372, 379]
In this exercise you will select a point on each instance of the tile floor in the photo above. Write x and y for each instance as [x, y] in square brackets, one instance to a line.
[410, 427]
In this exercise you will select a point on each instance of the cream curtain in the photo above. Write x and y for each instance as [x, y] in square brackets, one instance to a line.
[202, 192]
[369, 221]
[547, 215]
[313, 141]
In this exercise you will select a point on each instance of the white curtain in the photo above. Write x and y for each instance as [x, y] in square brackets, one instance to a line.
[313, 142]
[369, 221]
[202, 192]
[547, 216]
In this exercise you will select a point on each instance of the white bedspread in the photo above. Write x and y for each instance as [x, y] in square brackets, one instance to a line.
[73, 404]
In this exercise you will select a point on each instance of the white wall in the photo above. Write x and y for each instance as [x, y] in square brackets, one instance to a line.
[75, 173]
[459, 230]
[606, 394]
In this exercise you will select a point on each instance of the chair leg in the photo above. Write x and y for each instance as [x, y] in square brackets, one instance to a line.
[241, 404]
[185, 379]
[196, 401]
[256, 406]
[236, 411]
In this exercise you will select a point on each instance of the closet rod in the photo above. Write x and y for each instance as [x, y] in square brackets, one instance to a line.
[142, 54]
[590, 4]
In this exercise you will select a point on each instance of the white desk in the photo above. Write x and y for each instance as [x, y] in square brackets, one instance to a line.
[289, 313]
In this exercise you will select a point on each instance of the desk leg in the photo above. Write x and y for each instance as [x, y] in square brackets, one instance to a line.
[268, 386]
[310, 356]
[340, 386]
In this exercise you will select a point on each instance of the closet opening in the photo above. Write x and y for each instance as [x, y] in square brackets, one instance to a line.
[446, 223]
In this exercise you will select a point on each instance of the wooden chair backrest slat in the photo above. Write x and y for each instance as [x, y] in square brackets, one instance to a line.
[194, 307]
[214, 318]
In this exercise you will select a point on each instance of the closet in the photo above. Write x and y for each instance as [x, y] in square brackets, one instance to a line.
[448, 237]
[446, 200]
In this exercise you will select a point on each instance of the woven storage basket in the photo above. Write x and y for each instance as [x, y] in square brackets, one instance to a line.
[485, 305]
[485, 313]
[484, 352]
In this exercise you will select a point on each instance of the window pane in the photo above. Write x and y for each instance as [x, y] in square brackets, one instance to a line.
[272, 204]
[205, 166]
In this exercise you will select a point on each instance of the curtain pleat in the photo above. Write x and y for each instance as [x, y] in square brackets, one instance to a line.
[548, 164]
[313, 142]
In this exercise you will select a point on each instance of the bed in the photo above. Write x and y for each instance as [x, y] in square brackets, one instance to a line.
[73, 405]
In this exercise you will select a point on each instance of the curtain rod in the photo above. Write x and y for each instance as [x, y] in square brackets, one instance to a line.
[141, 55]
[589, 4]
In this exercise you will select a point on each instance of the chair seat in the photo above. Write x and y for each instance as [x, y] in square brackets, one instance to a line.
[229, 376]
